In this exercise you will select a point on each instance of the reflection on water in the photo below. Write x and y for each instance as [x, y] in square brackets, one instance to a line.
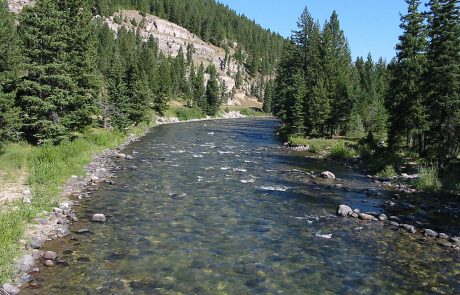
[221, 208]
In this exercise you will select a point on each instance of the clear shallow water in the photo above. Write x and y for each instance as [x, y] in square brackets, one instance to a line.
[215, 208]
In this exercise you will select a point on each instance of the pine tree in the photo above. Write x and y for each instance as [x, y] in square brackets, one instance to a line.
[408, 116]
[10, 118]
[164, 87]
[296, 119]
[267, 106]
[443, 79]
[47, 93]
[199, 89]
[212, 93]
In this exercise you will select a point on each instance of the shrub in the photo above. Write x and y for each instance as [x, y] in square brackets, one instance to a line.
[428, 179]
[387, 172]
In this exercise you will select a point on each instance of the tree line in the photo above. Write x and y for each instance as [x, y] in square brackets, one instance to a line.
[412, 103]
[63, 70]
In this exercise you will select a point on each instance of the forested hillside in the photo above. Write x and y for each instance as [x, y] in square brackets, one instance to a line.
[66, 70]
[409, 108]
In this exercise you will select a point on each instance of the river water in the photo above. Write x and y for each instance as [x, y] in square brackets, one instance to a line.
[220, 207]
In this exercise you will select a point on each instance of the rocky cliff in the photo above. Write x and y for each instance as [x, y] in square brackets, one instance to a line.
[171, 37]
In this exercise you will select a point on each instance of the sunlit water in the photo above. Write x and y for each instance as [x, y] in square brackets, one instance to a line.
[213, 208]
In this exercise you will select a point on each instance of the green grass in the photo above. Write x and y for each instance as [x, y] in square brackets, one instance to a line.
[336, 148]
[428, 180]
[48, 168]
[184, 113]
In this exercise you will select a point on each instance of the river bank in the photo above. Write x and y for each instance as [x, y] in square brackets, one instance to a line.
[41, 209]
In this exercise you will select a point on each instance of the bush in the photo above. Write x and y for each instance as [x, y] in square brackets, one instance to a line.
[341, 151]
[428, 179]
[185, 114]
[387, 172]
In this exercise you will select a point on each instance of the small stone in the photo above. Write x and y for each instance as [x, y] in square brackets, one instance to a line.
[328, 175]
[344, 210]
[409, 228]
[63, 232]
[445, 244]
[58, 210]
[99, 218]
[37, 244]
[36, 270]
[26, 192]
[94, 179]
[37, 254]
[394, 218]
[129, 157]
[430, 233]
[357, 211]
[26, 279]
[82, 231]
[49, 255]
[11, 289]
[354, 215]
[443, 236]
[455, 240]
[319, 235]
[26, 200]
[383, 217]
[394, 223]
[49, 263]
[121, 156]
[365, 216]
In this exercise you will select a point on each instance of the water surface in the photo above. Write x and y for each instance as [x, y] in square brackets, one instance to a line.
[220, 207]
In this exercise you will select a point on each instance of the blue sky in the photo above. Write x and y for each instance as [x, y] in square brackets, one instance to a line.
[370, 25]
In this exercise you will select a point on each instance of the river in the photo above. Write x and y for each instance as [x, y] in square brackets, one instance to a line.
[221, 207]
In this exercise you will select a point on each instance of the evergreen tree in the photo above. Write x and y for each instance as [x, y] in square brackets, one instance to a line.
[10, 119]
[47, 93]
[267, 106]
[405, 102]
[297, 115]
[443, 79]
[199, 89]
[212, 93]
[164, 88]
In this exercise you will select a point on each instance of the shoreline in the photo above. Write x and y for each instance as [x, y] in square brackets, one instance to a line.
[54, 224]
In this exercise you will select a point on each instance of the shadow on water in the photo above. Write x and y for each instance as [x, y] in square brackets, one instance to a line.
[219, 207]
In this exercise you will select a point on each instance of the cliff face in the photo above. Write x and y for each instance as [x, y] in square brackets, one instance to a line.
[171, 37]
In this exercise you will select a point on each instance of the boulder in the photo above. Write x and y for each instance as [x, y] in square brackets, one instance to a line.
[99, 218]
[11, 289]
[327, 175]
[26, 263]
[344, 210]
[409, 228]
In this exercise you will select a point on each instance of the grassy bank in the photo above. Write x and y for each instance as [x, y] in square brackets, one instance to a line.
[379, 161]
[47, 168]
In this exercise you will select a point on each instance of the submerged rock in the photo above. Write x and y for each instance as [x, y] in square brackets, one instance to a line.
[99, 218]
[327, 175]
[327, 236]
[344, 210]
[27, 263]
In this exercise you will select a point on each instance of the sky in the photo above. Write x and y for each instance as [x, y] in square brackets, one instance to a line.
[369, 25]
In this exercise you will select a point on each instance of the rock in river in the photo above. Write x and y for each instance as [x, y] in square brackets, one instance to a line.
[344, 210]
[365, 216]
[328, 175]
[99, 218]
[49, 255]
